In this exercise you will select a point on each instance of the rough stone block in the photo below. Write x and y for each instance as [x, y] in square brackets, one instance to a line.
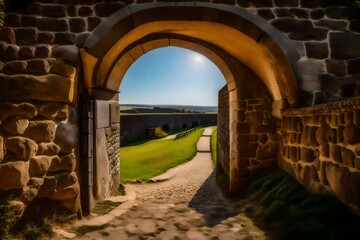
[26, 52]
[48, 187]
[263, 154]
[14, 175]
[348, 157]
[317, 50]
[344, 45]
[66, 137]
[266, 14]
[286, 3]
[1, 148]
[355, 26]
[8, 53]
[69, 53]
[38, 166]
[300, 29]
[332, 24]
[41, 131]
[317, 14]
[308, 4]
[64, 38]
[27, 87]
[15, 126]
[335, 153]
[25, 36]
[106, 9]
[64, 163]
[48, 149]
[336, 67]
[53, 11]
[85, 11]
[307, 155]
[23, 148]
[351, 134]
[53, 25]
[7, 35]
[93, 22]
[59, 67]
[46, 38]
[29, 21]
[353, 66]
[77, 25]
[339, 179]
[38, 66]
[72, 11]
[42, 51]
[52, 110]
[17, 67]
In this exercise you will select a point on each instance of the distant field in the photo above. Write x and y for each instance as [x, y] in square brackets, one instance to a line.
[147, 159]
[207, 109]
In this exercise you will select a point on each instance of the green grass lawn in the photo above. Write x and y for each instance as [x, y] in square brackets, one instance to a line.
[213, 145]
[146, 159]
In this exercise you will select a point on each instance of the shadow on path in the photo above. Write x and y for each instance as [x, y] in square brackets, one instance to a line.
[209, 201]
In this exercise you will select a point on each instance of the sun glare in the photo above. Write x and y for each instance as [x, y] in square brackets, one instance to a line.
[198, 58]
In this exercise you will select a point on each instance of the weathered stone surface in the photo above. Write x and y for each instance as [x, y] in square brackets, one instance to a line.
[266, 14]
[336, 67]
[18, 67]
[25, 36]
[307, 154]
[15, 126]
[93, 22]
[85, 11]
[53, 11]
[348, 157]
[77, 25]
[1, 148]
[339, 179]
[344, 45]
[61, 68]
[7, 35]
[317, 50]
[335, 153]
[23, 148]
[106, 9]
[41, 131]
[69, 53]
[336, 12]
[10, 53]
[262, 154]
[42, 51]
[300, 29]
[53, 25]
[27, 87]
[64, 163]
[48, 149]
[12, 20]
[355, 26]
[38, 66]
[71, 10]
[53, 110]
[14, 175]
[29, 21]
[47, 187]
[291, 13]
[39, 166]
[353, 66]
[317, 14]
[285, 3]
[323, 133]
[66, 137]
[64, 38]
[66, 193]
[352, 134]
[26, 52]
[46, 38]
[331, 24]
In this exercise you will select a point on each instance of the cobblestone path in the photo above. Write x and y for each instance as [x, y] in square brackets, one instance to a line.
[187, 206]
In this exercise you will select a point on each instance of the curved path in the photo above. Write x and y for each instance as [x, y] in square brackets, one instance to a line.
[186, 206]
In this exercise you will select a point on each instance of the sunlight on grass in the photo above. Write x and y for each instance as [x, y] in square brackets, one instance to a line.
[213, 145]
[152, 158]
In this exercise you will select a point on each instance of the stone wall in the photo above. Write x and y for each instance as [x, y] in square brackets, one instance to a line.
[38, 154]
[320, 146]
[134, 126]
[223, 131]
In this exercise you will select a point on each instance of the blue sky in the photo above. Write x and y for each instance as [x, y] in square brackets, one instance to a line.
[172, 75]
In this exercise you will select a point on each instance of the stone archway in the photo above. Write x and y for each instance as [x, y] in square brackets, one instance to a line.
[255, 59]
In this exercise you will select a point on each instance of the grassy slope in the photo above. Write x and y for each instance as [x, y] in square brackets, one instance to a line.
[213, 145]
[291, 212]
[151, 158]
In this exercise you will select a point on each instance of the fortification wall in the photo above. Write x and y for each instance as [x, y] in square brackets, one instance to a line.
[320, 147]
[134, 126]
[223, 131]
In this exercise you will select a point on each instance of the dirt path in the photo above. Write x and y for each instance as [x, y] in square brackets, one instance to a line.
[186, 206]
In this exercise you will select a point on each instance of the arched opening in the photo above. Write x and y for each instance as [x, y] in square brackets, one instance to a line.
[255, 59]
[184, 125]
[166, 127]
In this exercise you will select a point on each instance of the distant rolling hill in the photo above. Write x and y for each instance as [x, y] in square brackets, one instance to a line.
[203, 109]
